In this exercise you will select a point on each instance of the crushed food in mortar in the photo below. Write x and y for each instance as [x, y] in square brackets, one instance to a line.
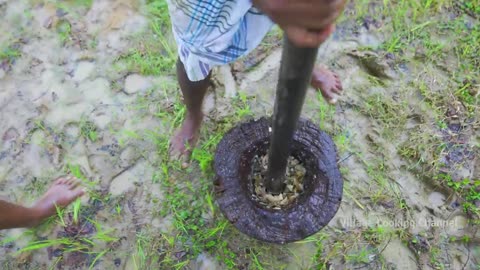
[293, 183]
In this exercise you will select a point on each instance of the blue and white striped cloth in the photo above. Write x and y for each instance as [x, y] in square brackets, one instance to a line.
[215, 32]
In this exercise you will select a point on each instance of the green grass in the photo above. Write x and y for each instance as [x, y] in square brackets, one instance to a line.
[472, 6]
[35, 245]
[86, 3]
[361, 256]
[467, 189]
[424, 26]
[76, 210]
[425, 151]
[9, 53]
[188, 192]
[88, 130]
[325, 113]
[189, 200]
[72, 4]
[423, 146]
[154, 53]
[390, 114]
[76, 171]
[467, 97]
[64, 30]
[87, 244]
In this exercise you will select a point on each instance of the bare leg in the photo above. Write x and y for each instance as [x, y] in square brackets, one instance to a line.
[327, 82]
[193, 93]
[60, 194]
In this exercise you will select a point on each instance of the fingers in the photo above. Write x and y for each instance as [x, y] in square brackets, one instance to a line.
[304, 38]
[310, 19]
[310, 14]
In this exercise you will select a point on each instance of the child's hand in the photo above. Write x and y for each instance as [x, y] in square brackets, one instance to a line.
[306, 22]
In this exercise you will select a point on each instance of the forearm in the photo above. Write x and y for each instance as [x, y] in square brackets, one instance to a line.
[16, 216]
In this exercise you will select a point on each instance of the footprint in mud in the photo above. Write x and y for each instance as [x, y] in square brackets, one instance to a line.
[71, 132]
[459, 157]
[254, 58]
[373, 64]
[121, 12]
[49, 144]
[9, 140]
[10, 135]
[437, 199]
[135, 83]
[55, 154]
[104, 167]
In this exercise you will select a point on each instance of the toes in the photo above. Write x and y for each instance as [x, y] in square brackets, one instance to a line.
[330, 95]
[327, 94]
[181, 147]
[175, 151]
[64, 180]
[181, 152]
[69, 182]
[78, 192]
[338, 82]
[337, 89]
[177, 146]
[185, 159]
[332, 101]
[74, 184]
[182, 155]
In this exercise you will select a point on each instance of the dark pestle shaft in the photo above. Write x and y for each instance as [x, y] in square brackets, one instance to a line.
[295, 74]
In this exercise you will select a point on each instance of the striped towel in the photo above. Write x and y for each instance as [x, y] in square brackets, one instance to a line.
[215, 32]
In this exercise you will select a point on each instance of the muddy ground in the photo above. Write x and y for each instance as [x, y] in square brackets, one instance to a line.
[88, 88]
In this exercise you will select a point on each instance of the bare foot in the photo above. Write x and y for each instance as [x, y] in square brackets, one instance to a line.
[327, 82]
[187, 136]
[60, 194]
